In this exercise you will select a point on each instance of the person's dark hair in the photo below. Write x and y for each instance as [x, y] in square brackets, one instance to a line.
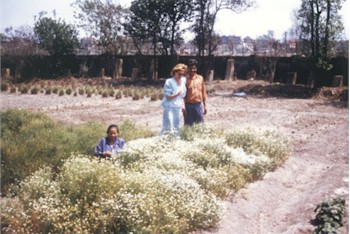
[112, 126]
[192, 62]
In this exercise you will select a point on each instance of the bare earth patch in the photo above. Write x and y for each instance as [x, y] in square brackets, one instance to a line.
[284, 201]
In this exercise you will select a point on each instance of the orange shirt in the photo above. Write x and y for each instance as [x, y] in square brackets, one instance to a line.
[196, 91]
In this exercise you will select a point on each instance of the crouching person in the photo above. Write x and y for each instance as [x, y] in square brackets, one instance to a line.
[111, 145]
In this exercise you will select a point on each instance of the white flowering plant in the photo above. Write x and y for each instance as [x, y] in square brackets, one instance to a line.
[156, 185]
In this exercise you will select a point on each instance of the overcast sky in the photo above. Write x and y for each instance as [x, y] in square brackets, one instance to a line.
[275, 15]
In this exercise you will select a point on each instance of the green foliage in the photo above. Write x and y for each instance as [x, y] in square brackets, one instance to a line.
[158, 21]
[24, 89]
[103, 20]
[34, 90]
[55, 90]
[69, 91]
[48, 90]
[129, 131]
[329, 216]
[57, 37]
[30, 140]
[13, 90]
[320, 25]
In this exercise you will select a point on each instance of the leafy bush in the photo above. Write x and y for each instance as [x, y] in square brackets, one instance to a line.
[48, 90]
[13, 90]
[34, 90]
[55, 90]
[69, 91]
[24, 89]
[118, 94]
[329, 216]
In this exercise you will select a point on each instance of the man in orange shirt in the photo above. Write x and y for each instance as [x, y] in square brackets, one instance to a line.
[195, 100]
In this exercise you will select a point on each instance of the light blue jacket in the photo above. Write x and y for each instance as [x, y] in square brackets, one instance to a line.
[171, 87]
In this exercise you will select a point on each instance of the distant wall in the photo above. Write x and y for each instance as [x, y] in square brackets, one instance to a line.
[49, 67]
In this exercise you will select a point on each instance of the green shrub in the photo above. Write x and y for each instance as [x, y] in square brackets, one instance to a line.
[29, 140]
[330, 214]
[13, 90]
[111, 92]
[136, 96]
[81, 91]
[24, 89]
[61, 92]
[69, 91]
[55, 90]
[130, 131]
[34, 90]
[105, 94]
[118, 95]
[48, 90]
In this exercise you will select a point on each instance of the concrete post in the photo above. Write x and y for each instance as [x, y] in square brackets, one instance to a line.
[7, 73]
[134, 73]
[311, 79]
[291, 78]
[337, 81]
[230, 70]
[154, 70]
[102, 73]
[210, 76]
[118, 69]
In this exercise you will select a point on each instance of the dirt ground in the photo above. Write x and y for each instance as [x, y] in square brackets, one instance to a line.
[284, 200]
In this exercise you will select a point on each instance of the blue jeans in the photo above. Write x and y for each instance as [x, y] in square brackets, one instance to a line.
[194, 113]
[171, 120]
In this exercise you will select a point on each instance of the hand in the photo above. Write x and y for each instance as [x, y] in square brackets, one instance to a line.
[107, 154]
[205, 111]
[179, 93]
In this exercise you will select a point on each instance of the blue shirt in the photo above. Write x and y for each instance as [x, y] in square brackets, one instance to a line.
[104, 146]
[171, 87]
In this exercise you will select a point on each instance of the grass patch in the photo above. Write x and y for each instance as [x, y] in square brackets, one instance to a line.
[30, 140]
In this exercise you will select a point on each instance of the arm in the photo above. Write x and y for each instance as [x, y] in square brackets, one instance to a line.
[99, 148]
[168, 91]
[204, 96]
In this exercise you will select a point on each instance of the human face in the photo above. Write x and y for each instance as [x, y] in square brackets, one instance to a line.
[112, 134]
[179, 74]
[192, 70]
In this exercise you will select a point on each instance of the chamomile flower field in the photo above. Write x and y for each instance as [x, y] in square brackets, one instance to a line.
[156, 185]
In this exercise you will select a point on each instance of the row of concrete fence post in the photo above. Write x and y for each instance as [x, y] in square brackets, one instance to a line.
[209, 76]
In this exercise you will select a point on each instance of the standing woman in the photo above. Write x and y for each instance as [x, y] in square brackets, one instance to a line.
[173, 100]
[110, 145]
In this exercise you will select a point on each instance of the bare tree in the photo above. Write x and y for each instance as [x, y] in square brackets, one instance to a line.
[205, 16]
[158, 22]
[321, 25]
[103, 20]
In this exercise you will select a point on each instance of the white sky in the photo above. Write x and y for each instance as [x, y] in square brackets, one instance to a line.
[275, 15]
